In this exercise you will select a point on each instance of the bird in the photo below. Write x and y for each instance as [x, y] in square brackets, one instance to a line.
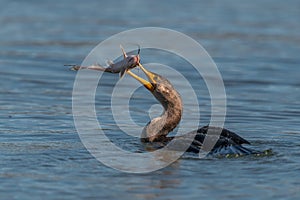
[155, 133]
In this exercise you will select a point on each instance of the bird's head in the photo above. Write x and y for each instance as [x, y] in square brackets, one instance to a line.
[161, 88]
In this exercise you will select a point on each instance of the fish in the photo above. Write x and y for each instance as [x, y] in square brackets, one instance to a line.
[128, 62]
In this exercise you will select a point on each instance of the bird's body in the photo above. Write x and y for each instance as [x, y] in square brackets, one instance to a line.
[226, 144]
[155, 133]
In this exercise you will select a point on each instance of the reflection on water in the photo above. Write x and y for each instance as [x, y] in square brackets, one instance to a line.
[254, 44]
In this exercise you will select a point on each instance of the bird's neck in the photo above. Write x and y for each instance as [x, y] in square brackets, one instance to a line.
[158, 128]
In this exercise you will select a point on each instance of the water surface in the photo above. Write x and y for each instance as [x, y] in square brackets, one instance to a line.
[256, 46]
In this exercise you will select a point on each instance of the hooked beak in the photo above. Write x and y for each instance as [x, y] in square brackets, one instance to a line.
[150, 85]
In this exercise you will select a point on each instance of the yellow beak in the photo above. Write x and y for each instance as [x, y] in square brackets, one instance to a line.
[151, 76]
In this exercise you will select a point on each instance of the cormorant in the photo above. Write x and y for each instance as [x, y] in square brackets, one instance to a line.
[227, 143]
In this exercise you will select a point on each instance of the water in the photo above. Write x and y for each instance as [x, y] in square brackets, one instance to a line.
[255, 45]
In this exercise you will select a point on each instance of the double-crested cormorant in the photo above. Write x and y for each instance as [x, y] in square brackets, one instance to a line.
[226, 142]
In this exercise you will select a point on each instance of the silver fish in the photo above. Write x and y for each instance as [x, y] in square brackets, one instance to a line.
[128, 62]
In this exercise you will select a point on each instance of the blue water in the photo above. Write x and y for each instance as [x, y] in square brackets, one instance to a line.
[255, 44]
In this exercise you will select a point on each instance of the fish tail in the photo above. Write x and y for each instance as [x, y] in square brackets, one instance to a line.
[74, 67]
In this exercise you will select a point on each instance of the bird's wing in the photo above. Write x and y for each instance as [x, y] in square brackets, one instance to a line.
[225, 134]
[226, 142]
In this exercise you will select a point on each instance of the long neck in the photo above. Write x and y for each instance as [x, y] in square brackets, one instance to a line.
[159, 127]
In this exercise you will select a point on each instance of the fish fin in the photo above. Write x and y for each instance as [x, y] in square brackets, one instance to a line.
[123, 51]
[110, 62]
[122, 73]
